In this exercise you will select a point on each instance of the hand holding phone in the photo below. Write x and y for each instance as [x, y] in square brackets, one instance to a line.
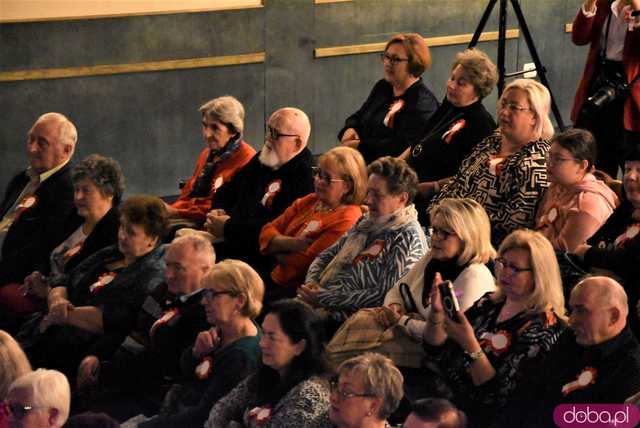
[449, 300]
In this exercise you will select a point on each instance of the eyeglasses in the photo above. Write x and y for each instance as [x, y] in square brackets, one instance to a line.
[19, 411]
[323, 176]
[393, 60]
[512, 106]
[274, 134]
[513, 269]
[344, 395]
[209, 294]
[440, 233]
[555, 159]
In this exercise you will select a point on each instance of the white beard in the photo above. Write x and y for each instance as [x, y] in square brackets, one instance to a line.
[268, 157]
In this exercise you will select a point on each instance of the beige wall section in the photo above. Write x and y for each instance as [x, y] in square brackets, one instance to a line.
[46, 10]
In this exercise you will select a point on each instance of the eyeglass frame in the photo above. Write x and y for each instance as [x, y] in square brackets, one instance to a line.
[322, 175]
[273, 134]
[441, 233]
[556, 159]
[334, 387]
[513, 269]
[392, 60]
[23, 409]
[513, 107]
[209, 294]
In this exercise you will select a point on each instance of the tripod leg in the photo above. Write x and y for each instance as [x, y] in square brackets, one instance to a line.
[481, 24]
[502, 42]
[536, 59]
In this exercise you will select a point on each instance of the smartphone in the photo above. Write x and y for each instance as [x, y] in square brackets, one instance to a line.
[449, 300]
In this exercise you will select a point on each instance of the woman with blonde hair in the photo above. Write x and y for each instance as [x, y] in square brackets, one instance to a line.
[460, 248]
[13, 362]
[506, 172]
[483, 353]
[314, 222]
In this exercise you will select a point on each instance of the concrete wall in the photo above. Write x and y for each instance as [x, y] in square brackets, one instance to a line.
[149, 121]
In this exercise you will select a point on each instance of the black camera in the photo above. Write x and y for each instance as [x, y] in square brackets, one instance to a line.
[609, 90]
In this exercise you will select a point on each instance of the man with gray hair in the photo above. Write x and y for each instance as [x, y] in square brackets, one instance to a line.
[597, 360]
[37, 212]
[39, 399]
[275, 177]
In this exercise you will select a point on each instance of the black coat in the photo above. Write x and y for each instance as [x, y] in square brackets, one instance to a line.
[377, 139]
[38, 229]
[242, 198]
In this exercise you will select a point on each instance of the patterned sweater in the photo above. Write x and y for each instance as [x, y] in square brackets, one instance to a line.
[510, 193]
[302, 406]
[387, 257]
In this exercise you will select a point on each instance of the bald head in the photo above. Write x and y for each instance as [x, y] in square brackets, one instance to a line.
[187, 260]
[599, 309]
[51, 141]
[288, 131]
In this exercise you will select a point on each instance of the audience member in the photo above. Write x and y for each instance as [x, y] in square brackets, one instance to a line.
[98, 186]
[13, 363]
[358, 270]
[396, 112]
[506, 172]
[435, 413]
[597, 360]
[226, 154]
[314, 222]
[287, 391]
[39, 399]
[166, 324]
[92, 313]
[366, 391]
[460, 248]
[576, 203]
[614, 56]
[221, 356]
[271, 181]
[455, 128]
[615, 247]
[484, 355]
[36, 211]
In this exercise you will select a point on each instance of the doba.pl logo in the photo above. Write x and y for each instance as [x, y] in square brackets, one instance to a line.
[596, 415]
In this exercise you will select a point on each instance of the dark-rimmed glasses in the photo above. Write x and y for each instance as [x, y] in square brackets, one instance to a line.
[508, 266]
[18, 410]
[440, 233]
[274, 134]
[334, 386]
[393, 60]
[322, 175]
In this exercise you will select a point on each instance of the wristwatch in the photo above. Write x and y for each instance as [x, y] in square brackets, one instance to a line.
[470, 357]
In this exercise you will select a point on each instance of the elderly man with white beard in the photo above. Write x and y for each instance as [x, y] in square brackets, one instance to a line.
[278, 175]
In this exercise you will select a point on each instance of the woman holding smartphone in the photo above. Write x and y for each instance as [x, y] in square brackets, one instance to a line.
[482, 356]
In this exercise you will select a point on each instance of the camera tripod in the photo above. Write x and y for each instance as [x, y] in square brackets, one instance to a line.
[502, 32]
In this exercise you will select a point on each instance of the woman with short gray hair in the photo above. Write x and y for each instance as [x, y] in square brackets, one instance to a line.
[226, 153]
[98, 186]
[367, 390]
[456, 127]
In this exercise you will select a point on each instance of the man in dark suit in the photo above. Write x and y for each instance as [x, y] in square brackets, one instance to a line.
[37, 208]
[275, 177]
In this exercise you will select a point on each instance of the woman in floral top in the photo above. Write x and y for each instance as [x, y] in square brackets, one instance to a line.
[506, 172]
[287, 390]
[484, 354]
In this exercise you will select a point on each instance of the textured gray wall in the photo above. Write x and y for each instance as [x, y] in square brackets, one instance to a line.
[149, 121]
